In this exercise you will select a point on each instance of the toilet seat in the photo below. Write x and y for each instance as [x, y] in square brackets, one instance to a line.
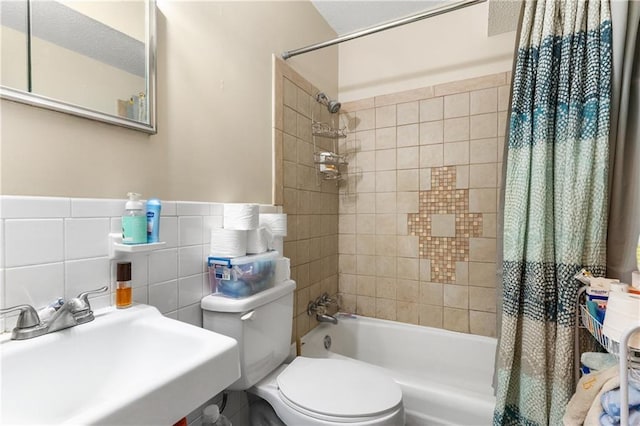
[338, 390]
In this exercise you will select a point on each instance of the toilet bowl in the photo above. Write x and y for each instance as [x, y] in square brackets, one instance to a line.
[306, 391]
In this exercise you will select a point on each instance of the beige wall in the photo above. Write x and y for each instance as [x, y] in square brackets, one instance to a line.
[450, 47]
[214, 112]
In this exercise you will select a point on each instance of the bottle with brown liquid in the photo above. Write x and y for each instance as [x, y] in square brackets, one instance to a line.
[123, 285]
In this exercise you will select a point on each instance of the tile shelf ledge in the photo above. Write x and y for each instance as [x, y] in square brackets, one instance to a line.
[116, 246]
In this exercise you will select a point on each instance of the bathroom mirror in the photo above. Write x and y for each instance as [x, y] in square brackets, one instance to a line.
[91, 58]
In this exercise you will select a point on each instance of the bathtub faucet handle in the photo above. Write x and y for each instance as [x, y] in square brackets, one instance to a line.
[312, 308]
[325, 300]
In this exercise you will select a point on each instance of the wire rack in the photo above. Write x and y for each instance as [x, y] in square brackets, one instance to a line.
[329, 164]
[628, 357]
[325, 130]
[594, 327]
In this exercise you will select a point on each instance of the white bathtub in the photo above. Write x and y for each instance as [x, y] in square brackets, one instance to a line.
[445, 376]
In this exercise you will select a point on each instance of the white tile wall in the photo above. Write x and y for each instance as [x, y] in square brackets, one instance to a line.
[190, 230]
[163, 266]
[86, 274]
[164, 296]
[37, 285]
[52, 247]
[34, 207]
[86, 237]
[33, 241]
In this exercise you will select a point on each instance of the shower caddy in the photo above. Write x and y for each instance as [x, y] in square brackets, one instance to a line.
[628, 358]
[328, 162]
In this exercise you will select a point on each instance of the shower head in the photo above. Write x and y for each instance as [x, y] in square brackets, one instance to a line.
[332, 106]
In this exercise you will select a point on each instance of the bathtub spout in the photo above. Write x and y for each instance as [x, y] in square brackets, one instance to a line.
[326, 318]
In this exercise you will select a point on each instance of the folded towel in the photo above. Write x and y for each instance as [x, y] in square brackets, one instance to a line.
[598, 360]
[587, 391]
[611, 401]
[593, 416]
[634, 419]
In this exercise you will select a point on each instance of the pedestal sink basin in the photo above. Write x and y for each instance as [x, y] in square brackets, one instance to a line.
[127, 367]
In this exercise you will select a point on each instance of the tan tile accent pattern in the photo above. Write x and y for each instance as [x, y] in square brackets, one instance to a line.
[444, 198]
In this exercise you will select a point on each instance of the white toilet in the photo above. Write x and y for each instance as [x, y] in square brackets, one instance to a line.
[307, 391]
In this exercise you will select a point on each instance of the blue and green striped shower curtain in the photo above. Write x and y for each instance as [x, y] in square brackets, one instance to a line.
[555, 210]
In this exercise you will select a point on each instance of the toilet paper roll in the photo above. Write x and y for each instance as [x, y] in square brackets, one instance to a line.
[276, 222]
[241, 216]
[623, 312]
[277, 244]
[258, 240]
[228, 242]
[283, 270]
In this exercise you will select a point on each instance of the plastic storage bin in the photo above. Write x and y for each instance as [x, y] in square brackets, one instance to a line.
[242, 276]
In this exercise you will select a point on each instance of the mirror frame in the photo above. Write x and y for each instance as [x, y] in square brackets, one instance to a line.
[40, 101]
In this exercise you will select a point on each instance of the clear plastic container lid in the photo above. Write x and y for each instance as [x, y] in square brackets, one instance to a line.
[243, 260]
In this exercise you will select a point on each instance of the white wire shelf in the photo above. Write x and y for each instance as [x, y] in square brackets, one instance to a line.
[628, 357]
[595, 328]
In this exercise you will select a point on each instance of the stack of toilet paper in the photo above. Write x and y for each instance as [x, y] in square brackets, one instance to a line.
[276, 223]
[246, 231]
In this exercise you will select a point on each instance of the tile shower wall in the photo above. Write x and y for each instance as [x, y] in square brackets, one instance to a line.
[52, 247]
[417, 212]
[311, 204]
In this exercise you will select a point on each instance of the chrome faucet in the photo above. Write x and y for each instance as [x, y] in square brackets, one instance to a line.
[326, 318]
[319, 308]
[73, 312]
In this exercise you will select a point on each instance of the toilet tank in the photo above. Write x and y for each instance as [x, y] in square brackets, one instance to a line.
[260, 323]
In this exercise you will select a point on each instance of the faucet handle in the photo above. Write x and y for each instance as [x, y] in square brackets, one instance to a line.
[312, 308]
[28, 316]
[84, 296]
[80, 306]
[325, 300]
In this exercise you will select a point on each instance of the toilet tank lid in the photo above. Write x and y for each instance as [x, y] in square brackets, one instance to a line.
[220, 303]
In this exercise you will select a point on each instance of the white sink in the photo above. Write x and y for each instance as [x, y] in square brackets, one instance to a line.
[127, 367]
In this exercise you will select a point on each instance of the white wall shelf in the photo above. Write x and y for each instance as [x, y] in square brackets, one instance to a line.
[116, 246]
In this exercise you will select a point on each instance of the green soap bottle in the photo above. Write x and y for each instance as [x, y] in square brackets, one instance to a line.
[134, 221]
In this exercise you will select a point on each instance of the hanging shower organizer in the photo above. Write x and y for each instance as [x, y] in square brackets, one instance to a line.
[329, 164]
[628, 357]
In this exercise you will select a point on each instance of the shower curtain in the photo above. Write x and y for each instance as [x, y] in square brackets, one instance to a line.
[624, 176]
[555, 202]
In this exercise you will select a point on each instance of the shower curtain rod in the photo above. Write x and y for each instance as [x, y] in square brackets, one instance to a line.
[382, 27]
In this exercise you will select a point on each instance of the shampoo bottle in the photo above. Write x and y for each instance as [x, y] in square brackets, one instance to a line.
[134, 221]
[153, 220]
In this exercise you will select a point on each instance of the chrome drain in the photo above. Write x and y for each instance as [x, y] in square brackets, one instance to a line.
[327, 342]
